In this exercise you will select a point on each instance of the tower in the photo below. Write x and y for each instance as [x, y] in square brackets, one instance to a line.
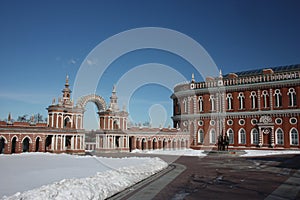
[64, 114]
[113, 106]
[113, 118]
[67, 94]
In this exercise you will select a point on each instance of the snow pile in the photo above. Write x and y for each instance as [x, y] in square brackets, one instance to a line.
[254, 153]
[178, 152]
[116, 174]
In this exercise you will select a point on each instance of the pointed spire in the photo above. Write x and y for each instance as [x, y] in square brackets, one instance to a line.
[113, 106]
[67, 93]
[9, 117]
[220, 74]
[193, 78]
[67, 81]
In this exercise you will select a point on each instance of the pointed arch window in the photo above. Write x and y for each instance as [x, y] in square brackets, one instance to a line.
[200, 136]
[265, 96]
[212, 102]
[200, 102]
[230, 134]
[279, 136]
[242, 136]
[294, 137]
[292, 97]
[229, 101]
[241, 99]
[212, 136]
[253, 100]
[278, 98]
[254, 136]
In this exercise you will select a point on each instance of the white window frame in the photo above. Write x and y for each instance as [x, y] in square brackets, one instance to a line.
[240, 136]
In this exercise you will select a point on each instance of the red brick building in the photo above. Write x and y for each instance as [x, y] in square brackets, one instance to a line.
[256, 109]
[62, 133]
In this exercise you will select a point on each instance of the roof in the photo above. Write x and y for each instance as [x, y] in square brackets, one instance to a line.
[280, 69]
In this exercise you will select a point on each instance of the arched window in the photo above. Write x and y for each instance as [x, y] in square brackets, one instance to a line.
[185, 106]
[231, 136]
[66, 122]
[26, 144]
[212, 136]
[2, 144]
[212, 102]
[200, 136]
[229, 101]
[254, 136]
[200, 101]
[265, 96]
[279, 136]
[294, 138]
[278, 98]
[253, 100]
[292, 97]
[241, 99]
[242, 136]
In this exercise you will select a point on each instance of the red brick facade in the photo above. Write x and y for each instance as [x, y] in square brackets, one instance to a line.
[256, 109]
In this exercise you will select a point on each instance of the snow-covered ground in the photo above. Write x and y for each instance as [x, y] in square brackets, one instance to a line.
[253, 153]
[61, 176]
[178, 152]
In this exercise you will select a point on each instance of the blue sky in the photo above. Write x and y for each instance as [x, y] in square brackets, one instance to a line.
[43, 41]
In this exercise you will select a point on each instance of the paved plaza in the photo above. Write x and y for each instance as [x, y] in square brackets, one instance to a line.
[220, 176]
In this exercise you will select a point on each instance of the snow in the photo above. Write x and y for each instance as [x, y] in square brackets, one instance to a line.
[254, 153]
[177, 152]
[61, 176]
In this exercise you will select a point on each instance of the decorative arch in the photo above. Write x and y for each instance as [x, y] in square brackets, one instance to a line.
[38, 137]
[294, 136]
[17, 139]
[230, 134]
[242, 136]
[67, 121]
[212, 136]
[30, 140]
[5, 140]
[200, 138]
[98, 100]
[254, 136]
[279, 136]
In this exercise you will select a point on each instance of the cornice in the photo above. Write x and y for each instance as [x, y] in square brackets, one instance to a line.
[285, 112]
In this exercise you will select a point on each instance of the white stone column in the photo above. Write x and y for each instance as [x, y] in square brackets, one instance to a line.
[260, 143]
[62, 121]
[127, 141]
[76, 142]
[114, 142]
[72, 143]
[104, 121]
[56, 126]
[60, 139]
[56, 140]
[52, 121]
